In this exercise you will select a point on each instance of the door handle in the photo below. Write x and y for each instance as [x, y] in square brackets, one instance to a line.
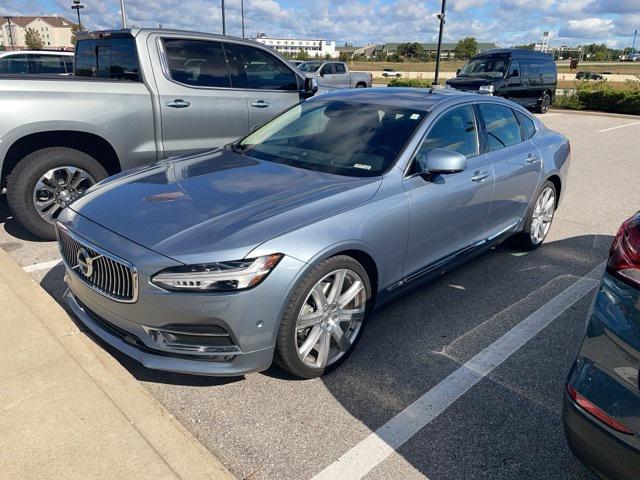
[533, 158]
[178, 103]
[260, 104]
[479, 176]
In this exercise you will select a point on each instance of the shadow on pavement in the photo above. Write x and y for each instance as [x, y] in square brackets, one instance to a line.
[12, 227]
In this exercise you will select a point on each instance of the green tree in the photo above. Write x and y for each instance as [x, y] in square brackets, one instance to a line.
[412, 51]
[302, 55]
[33, 40]
[529, 46]
[466, 48]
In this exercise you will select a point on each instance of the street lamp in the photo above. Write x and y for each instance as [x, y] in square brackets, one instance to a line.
[441, 17]
[224, 28]
[123, 12]
[77, 6]
[13, 47]
[242, 15]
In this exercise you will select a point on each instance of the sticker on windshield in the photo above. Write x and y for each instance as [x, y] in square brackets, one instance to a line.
[414, 116]
[364, 167]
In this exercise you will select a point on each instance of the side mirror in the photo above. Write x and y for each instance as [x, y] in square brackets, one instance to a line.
[441, 161]
[310, 87]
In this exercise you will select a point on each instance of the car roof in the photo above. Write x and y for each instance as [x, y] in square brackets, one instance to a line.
[37, 52]
[424, 99]
[514, 53]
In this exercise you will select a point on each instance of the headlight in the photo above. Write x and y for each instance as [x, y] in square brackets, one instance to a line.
[486, 89]
[217, 277]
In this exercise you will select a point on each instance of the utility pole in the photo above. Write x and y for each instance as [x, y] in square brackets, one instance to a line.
[441, 17]
[123, 12]
[633, 45]
[224, 27]
[13, 46]
[77, 6]
[242, 15]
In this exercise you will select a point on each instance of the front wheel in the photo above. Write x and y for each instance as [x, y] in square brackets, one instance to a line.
[324, 318]
[538, 220]
[45, 182]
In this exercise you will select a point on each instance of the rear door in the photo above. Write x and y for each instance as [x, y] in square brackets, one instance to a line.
[517, 164]
[200, 110]
[270, 84]
[342, 78]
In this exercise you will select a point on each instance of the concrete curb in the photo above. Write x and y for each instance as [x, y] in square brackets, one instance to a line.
[179, 454]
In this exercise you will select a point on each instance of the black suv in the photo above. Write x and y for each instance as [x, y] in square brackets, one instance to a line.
[524, 76]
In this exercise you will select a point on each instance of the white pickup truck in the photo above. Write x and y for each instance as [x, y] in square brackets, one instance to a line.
[137, 96]
[335, 74]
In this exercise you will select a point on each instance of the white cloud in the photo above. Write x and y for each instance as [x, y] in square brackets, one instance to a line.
[587, 28]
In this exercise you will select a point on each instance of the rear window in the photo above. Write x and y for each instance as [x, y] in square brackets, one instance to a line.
[114, 58]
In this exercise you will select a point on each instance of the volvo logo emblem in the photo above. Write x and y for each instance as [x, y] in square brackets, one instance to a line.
[85, 262]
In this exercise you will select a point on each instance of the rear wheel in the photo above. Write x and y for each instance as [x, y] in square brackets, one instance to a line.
[45, 182]
[545, 103]
[325, 318]
[538, 220]
[361, 85]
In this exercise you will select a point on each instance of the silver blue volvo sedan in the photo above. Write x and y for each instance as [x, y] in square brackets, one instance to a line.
[279, 245]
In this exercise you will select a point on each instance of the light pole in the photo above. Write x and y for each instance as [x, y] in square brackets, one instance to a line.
[77, 6]
[242, 15]
[13, 47]
[224, 27]
[441, 17]
[123, 12]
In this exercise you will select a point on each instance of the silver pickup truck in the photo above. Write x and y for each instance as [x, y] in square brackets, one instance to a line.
[335, 74]
[137, 96]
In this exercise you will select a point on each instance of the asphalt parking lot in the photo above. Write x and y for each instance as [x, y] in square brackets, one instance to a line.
[462, 378]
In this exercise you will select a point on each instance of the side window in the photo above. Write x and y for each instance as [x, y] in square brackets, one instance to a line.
[340, 68]
[526, 69]
[455, 130]
[328, 69]
[514, 70]
[526, 125]
[501, 126]
[14, 64]
[199, 63]
[68, 64]
[259, 70]
[44, 64]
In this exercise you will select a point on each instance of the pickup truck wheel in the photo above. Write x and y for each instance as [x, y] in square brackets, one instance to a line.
[361, 85]
[45, 182]
[324, 318]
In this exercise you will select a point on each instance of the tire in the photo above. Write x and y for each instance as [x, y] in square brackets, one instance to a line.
[528, 239]
[545, 103]
[24, 178]
[361, 85]
[293, 338]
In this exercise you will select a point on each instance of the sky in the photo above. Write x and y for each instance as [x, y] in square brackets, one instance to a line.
[506, 22]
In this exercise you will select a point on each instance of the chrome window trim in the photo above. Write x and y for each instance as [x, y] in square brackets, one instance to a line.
[82, 241]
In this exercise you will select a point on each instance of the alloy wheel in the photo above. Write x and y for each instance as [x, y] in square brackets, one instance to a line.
[546, 102]
[330, 319]
[57, 188]
[542, 215]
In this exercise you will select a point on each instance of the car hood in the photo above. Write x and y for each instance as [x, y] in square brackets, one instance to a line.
[468, 83]
[217, 206]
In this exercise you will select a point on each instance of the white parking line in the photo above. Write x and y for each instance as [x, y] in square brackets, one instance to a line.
[41, 266]
[374, 449]
[619, 126]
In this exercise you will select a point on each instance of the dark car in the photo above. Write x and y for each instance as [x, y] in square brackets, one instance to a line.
[602, 398]
[589, 76]
[524, 76]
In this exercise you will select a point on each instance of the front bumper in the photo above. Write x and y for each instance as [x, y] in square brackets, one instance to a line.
[602, 451]
[218, 333]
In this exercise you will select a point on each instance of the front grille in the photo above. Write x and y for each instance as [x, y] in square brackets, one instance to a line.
[103, 272]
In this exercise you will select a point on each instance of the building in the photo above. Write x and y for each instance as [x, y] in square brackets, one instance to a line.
[447, 50]
[292, 46]
[56, 32]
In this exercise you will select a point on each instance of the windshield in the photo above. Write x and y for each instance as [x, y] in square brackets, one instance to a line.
[309, 66]
[346, 138]
[485, 67]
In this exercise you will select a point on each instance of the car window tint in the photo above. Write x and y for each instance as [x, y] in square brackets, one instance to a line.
[455, 130]
[514, 69]
[44, 64]
[501, 126]
[197, 62]
[115, 58]
[68, 64]
[256, 69]
[328, 69]
[14, 64]
[340, 68]
[526, 124]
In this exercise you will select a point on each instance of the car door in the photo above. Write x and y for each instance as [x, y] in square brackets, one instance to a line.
[270, 84]
[448, 213]
[513, 83]
[517, 164]
[199, 108]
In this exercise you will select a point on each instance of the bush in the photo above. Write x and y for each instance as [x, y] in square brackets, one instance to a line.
[411, 82]
[602, 97]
